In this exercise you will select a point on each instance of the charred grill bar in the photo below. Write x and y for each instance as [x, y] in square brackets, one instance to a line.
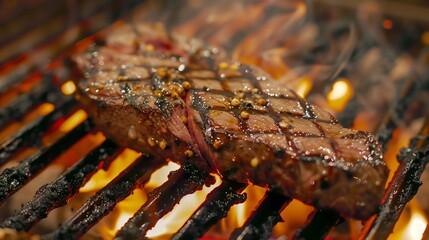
[22, 104]
[215, 207]
[262, 221]
[12, 179]
[104, 200]
[160, 201]
[180, 183]
[402, 188]
[56, 193]
[34, 130]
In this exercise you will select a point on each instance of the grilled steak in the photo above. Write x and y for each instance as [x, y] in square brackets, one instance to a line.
[175, 99]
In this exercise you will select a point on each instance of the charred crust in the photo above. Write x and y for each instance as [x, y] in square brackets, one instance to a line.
[156, 82]
[247, 105]
[164, 106]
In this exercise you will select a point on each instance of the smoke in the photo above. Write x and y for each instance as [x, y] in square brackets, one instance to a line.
[318, 40]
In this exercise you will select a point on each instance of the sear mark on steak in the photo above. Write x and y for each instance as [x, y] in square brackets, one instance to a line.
[173, 98]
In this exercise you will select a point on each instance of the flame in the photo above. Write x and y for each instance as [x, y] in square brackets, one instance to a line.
[172, 222]
[340, 94]
[12, 128]
[123, 211]
[74, 120]
[296, 215]
[410, 225]
[304, 86]
[102, 177]
[240, 212]
[160, 176]
[68, 88]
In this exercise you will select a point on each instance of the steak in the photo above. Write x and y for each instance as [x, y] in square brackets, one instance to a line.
[176, 99]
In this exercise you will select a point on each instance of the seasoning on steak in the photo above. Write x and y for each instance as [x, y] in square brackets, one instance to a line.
[160, 96]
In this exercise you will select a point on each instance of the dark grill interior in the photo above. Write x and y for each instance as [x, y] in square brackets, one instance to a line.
[28, 67]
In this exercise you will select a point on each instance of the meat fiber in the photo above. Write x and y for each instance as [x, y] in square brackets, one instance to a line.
[173, 98]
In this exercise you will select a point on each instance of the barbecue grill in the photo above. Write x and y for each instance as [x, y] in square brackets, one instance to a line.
[37, 73]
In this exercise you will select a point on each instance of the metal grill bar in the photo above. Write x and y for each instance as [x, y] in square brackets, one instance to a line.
[38, 15]
[386, 128]
[262, 221]
[12, 179]
[162, 200]
[214, 208]
[25, 102]
[56, 193]
[93, 19]
[32, 132]
[105, 200]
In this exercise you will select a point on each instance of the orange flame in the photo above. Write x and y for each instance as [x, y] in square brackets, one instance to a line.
[123, 211]
[71, 122]
[68, 88]
[12, 128]
[102, 177]
[304, 86]
[172, 222]
[410, 225]
[340, 94]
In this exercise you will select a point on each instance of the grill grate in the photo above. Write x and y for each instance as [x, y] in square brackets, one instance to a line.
[162, 200]
[184, 181]
[12, 179]
[54, 194]
[104, 200]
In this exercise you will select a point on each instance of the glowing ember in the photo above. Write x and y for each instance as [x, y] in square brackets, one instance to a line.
[123, 211]
[68, 88]
[340, 93]
[45, 108]
[387, 24]
[71, 122]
